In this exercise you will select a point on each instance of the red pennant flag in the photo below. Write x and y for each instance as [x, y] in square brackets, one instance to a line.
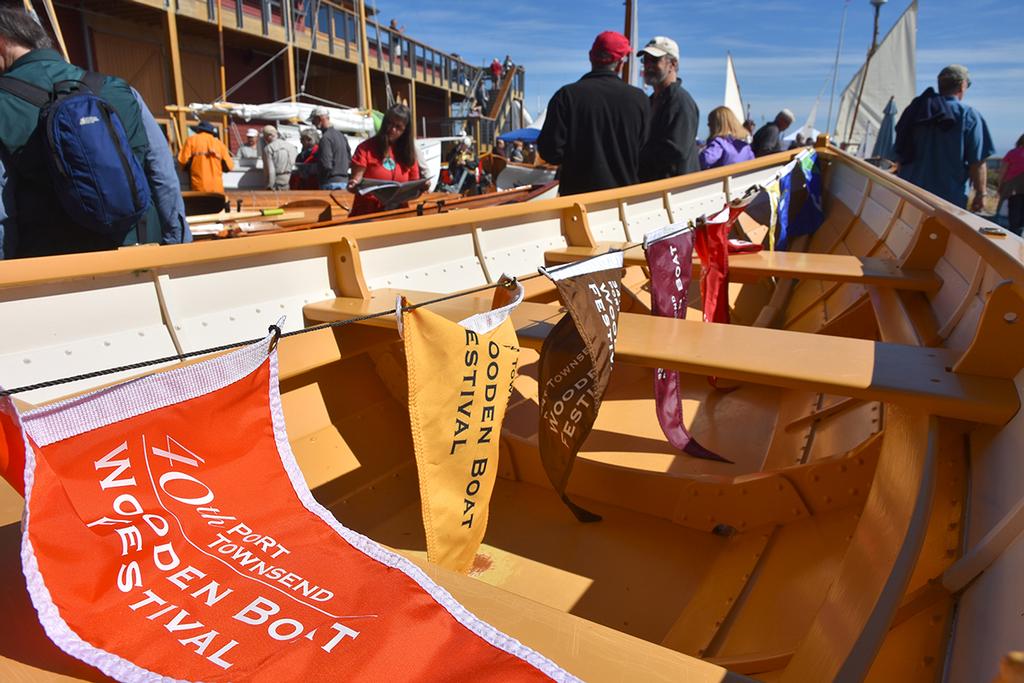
[576, 364]
[669, 253]
[712, 244]
[168, 534]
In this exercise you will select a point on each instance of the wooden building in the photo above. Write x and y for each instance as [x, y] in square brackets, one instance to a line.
[170, 51]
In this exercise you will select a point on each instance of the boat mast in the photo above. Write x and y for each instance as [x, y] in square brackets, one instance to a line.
[630, 33]
[835, 66]
[877, 4]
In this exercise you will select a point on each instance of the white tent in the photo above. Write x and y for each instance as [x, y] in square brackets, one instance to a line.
[808, 131]
[891, 73]
[538, 122]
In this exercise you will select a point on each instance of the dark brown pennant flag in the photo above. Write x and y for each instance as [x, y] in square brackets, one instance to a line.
[576, 364]
[669, 252]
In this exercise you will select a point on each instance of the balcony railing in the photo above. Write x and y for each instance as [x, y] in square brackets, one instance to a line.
[329, 28]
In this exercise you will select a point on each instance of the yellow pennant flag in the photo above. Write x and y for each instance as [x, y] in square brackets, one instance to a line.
[460, 378]
[773, 191]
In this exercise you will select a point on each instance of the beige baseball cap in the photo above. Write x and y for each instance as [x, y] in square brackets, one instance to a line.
[659, 46]
[317, 111]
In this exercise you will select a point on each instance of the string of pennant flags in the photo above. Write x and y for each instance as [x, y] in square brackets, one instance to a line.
[771, 187]
[275, 329]
[185, 479]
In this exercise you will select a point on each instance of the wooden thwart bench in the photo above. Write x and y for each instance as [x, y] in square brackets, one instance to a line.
[875, 272]
[835, 365]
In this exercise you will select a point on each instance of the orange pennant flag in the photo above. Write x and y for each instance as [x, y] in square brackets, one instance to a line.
[168, 534]
[460, 378]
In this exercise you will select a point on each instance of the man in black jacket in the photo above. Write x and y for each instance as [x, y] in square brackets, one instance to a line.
[594, 127]
[671, 149]
[333, 156]
[768, 140]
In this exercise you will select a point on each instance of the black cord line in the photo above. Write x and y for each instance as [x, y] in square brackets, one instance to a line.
[323, 326]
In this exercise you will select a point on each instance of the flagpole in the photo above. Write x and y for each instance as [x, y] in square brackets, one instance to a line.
[835, 67]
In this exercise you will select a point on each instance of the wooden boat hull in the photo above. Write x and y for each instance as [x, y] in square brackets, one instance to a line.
[839, 545]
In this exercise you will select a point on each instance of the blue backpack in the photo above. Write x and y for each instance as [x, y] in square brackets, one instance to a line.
[95, 175]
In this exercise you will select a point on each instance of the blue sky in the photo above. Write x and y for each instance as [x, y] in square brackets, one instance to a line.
[783, 49]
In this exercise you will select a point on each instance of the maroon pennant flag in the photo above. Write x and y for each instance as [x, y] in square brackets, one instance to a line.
[576, 364]
[669, 252]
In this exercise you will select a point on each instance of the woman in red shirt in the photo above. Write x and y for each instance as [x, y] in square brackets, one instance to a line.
[1011, 185]
[388, 155]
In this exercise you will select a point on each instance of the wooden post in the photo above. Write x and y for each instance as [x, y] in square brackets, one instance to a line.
[54, 24]
[412, 105]
[179, 88]
[223, 74]
[289, 32]
[364, 52]
[291, 72]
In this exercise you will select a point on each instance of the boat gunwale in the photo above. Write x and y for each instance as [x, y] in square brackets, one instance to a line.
[38, 270]
[42, 270]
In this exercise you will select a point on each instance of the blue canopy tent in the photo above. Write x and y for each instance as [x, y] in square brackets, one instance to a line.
[527, 135]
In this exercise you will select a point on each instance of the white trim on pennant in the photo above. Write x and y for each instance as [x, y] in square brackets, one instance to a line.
[65, 419]
[612, 259]
[482, 323]
[53, 623]
[667, 231]
[388, 558]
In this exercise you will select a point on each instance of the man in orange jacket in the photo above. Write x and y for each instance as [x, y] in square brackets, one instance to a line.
[205, 158]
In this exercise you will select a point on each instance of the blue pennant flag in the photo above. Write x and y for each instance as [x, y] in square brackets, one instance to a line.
[810, 216]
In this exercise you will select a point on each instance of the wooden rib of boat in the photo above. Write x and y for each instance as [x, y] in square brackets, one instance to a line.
[868, 528]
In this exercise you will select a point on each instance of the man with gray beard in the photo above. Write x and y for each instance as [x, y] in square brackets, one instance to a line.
[671, 147]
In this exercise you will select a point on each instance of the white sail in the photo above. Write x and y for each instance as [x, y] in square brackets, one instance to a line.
[732, 89]
[346, 120]
[891, 73]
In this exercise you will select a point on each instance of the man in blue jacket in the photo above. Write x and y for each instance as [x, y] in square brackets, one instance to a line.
[941, 143]
[32, 221]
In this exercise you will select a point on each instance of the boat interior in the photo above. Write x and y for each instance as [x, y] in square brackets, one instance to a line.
[868, 394]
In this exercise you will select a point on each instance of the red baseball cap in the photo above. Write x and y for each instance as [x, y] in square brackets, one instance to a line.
[609, 46]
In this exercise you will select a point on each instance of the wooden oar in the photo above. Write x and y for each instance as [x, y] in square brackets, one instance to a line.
[236, 216]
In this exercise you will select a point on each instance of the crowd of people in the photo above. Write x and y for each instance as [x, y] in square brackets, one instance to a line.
[600, 131]
[118, 184]
[324, 161]
[604, 133]
[519, 152]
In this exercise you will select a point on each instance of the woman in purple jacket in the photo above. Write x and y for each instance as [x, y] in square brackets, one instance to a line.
[727, 140]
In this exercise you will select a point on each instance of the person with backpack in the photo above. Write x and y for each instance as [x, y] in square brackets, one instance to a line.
[83, 164]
